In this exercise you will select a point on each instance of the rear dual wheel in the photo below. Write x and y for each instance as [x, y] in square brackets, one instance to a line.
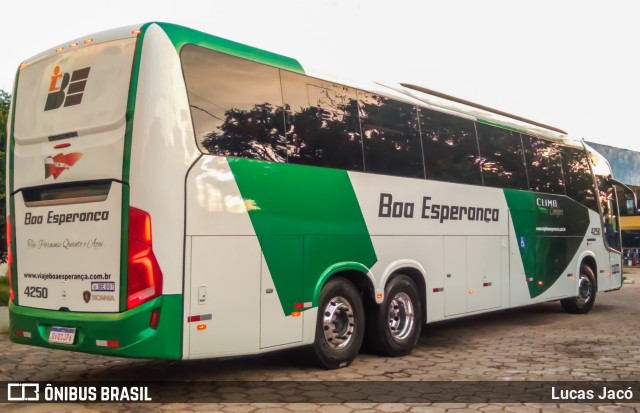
[393, 328]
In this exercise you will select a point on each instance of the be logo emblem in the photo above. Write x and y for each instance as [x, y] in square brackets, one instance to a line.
[66, 89]
[86, 296]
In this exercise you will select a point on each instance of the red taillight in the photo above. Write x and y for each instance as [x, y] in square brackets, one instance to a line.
[144, 279]
[9, 259]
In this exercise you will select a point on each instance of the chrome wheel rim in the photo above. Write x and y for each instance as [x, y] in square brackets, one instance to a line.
[585, 290]
[338, 322]
[401, 316]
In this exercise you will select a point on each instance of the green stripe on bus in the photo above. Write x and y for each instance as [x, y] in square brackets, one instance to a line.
[498, 125]
[549, 231]
[306, 219]
[181, 36]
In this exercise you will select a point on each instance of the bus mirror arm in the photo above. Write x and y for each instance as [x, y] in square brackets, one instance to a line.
[626, 190]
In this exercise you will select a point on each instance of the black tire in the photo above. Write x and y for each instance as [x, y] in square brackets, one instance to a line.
[586, 298]
[341, 315]
[393, 327]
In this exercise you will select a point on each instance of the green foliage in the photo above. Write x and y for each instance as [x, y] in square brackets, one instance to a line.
[4, 291]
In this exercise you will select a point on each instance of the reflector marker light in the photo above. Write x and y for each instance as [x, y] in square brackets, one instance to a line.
[62, 145]
[107, 343]
[194, 318]
[295, 314]
[136, 31]
[486, 284]
[73, 45]
[155, 319]
[299, 306]
[202, 327]
[87, 41]
[470, 292]
[438, 290]
[379, 296]
[59, 49]
[539, 282]
[25, 334]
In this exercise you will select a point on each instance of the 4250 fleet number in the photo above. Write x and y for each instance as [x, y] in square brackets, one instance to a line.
[36, 292]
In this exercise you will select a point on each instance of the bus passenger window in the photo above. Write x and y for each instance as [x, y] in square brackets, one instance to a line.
[577, 175]
[501, 157]
[544, 165]
[322, 123]
[236, 105]
[450, 148]
[391, 136]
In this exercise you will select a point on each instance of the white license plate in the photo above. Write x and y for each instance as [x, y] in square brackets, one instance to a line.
[62, 335]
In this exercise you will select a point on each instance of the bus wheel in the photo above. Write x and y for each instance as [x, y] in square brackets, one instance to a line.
[393, 327]
[583, 303]
[340, 325]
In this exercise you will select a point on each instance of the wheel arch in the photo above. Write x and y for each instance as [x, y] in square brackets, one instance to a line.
[359, 274]
[589, 259]
[411, 269]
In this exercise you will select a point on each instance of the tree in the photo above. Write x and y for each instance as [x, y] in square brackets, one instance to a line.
[5, 100]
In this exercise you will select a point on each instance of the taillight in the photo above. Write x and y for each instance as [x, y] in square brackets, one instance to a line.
[9, 259]
[144, 279]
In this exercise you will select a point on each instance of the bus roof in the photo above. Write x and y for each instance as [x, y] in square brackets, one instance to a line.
[416, 95]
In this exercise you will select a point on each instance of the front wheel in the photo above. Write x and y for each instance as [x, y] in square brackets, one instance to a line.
[340, 324]
[393, 328]
[583, 303]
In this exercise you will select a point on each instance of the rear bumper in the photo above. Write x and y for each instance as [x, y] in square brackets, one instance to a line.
[130, 329]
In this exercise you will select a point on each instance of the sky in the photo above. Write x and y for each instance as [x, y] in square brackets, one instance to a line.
[571, 64]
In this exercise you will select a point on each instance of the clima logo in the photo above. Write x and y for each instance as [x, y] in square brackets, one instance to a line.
[55, 165]
[60, 81]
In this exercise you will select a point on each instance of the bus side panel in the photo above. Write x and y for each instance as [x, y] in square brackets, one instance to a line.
[444, 227]
[230, 280]
[162, 150]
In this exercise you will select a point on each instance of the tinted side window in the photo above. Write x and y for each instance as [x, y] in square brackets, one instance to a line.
[391, 136]
[577, 175]
[321, 123]
[544, 165]
[236, 105]
[450, 148]
[501, 155]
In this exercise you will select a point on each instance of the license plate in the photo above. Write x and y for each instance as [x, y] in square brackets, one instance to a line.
[62, 335]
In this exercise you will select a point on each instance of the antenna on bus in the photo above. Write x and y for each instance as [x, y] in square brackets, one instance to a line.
[479, 106]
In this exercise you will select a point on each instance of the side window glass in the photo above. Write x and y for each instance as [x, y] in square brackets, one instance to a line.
[391, 136]
[544, 165]
[610, 213]
[450, 148]
[502, 160]
[322, 125]
[236, 105]
[577, 175]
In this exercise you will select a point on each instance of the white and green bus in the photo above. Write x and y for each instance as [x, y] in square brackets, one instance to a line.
[177, 195]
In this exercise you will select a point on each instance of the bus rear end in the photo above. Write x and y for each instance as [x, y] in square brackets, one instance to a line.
[82, 268]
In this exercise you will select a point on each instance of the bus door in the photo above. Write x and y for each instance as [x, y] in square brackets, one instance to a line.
[610, 278]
